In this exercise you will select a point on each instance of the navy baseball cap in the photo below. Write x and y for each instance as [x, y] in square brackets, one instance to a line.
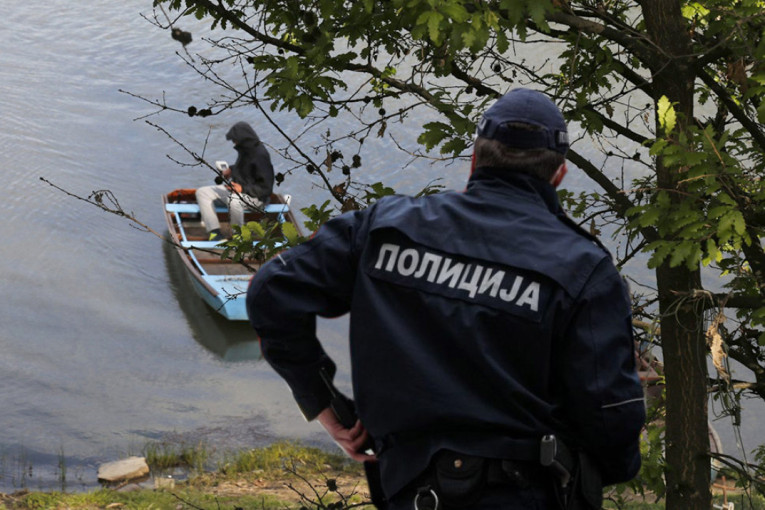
[527, 107]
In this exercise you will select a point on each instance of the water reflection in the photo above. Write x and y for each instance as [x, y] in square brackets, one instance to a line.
[228, 340]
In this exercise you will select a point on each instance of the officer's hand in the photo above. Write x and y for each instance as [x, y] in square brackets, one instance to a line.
[351, 440]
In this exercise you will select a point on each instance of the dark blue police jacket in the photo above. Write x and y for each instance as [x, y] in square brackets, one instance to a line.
[480, 321]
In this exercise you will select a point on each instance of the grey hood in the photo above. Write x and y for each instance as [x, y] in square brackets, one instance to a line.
[242, 132]
[253, 168]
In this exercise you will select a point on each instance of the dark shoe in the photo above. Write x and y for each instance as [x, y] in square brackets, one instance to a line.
[215, 235]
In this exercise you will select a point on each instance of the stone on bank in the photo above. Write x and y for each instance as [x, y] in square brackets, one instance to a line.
[123, 470]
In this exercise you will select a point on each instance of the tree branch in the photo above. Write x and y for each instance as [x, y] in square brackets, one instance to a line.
[231, 17]
[738, 113]
[635, 43]
[621, 203]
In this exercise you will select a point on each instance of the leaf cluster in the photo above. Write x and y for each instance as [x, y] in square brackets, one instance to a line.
[261, 240]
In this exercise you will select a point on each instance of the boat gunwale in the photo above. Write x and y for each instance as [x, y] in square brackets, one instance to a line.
[177, 230]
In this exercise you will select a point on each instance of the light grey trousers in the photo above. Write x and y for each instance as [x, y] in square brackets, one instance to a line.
[207, 196]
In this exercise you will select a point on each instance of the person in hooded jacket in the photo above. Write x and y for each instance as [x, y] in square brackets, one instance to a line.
[481, 323]
[250, 181]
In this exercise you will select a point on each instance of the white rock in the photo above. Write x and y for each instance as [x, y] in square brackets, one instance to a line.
[126, 469]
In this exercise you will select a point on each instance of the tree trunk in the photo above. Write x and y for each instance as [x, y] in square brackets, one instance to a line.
[686, 435]
[682, 328]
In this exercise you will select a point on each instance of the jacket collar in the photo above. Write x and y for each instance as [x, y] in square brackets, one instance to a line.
[498, 178]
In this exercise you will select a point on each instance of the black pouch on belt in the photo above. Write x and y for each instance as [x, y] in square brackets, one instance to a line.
[460, 478]
[589, 488]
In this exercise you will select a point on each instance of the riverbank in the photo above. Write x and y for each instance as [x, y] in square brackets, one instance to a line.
[281, 476]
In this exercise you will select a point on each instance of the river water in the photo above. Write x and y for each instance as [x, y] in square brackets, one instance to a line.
[103, 345]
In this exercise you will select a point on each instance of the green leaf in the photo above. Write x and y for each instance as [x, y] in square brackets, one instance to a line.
[592, 121]
[537, 11]
[681, 252]
[456, 12]
[433, 21]
[468, 38]
[454, 146]
[713, 253]
[290, 232]
[256, 228]
[303, 105]
[377, 191]
[434, 133]
[730, 225]
[695, 9]
[739, 224]
[761, 113]
[658, 147]
[661, 250]
[666, 113]
[502, 43]
[317, 216]
[758, 316]
[434, 24]
[649, 216]
[246, 233]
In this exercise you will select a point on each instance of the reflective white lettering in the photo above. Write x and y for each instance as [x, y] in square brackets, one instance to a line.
[478, 281]
[471, 286]
[509, 296]
[530, 296]
[451, 273]
[491, 282]
[407, 262]
[434, 261]
[389, 248]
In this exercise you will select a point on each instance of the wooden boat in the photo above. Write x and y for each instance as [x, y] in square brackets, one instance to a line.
[220, 282]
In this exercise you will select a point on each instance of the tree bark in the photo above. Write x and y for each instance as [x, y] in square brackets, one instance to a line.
[684, 350]
[682, 329]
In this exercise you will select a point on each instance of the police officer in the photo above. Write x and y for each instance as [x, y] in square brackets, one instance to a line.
[480, 322]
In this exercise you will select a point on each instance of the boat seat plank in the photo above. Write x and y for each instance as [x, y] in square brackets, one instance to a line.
[194, 208]
[201, 244]
[214, 244]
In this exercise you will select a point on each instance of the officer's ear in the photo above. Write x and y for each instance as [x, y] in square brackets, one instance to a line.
[559, 174]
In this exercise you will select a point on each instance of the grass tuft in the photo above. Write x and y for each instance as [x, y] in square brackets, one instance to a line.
[163, 455]
[273, 459]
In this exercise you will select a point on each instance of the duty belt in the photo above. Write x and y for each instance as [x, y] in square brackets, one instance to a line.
[458, 480]
[455, 480]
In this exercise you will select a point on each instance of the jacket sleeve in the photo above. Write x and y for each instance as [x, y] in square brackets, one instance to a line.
[286, 295]
[602, 398]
